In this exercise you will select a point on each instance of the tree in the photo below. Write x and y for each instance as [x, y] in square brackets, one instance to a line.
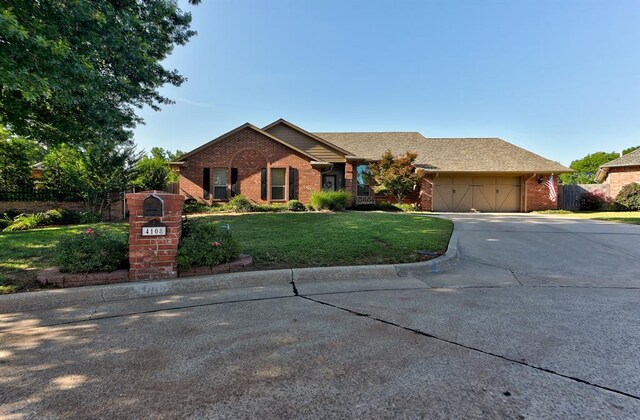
[17, 155]
[397, 176]
[74, 72]
[93, 173]
[630, 149]
[153, 171]
[586, 168]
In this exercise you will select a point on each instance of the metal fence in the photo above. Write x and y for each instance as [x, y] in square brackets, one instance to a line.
[570, 196]
[33, 194]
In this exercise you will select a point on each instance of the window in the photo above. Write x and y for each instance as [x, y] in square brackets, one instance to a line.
[220, 181]
[278, 182]
[363, 180]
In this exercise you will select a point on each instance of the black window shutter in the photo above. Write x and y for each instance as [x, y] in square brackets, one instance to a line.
[234, 181]
[263, 184]
[293, 182]
[206, 182]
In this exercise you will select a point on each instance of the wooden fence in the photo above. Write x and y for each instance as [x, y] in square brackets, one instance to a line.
[569, 196]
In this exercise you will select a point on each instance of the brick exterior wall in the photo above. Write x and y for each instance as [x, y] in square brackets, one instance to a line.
[249, 151]
[538, 195]
[154, 257]
[426, 193]
[619, 177]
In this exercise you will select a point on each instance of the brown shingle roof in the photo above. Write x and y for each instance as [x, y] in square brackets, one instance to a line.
[630, 159]
[447, 154]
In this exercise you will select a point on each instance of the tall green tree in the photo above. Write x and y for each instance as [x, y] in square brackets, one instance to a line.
[630, 149]
[75, 72]
[586, 168]
[153, 171]
[17, 155]
[93, 173]
[396, 176]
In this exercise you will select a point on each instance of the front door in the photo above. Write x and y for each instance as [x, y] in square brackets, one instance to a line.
[329, 182]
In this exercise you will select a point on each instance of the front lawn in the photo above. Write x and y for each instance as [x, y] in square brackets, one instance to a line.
[286, 240]
[24, 253]
[632, 217]
[275, 240]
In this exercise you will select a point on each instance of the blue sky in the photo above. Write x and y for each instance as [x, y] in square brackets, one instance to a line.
[560, 78]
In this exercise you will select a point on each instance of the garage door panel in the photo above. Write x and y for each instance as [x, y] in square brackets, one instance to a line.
[462, 197]
[483, 193]
[484, 197]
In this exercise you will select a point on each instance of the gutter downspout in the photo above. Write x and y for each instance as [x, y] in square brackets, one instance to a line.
[526, 190]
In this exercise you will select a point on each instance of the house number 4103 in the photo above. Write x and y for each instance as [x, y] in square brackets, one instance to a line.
[154, 231]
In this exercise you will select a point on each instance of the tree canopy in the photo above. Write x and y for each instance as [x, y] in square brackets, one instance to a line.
[93, 173]
[153, 172]
[396, 176]
[17, 155]
[75, 72]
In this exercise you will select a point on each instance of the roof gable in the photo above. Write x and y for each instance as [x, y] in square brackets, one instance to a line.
[306, 141]
[252, 127]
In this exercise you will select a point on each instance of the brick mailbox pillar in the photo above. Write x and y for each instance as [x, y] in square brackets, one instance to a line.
[155, 226]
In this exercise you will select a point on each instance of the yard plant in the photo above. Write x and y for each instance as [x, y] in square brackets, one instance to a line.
[206, 245]
[92, 250]
[329, 200]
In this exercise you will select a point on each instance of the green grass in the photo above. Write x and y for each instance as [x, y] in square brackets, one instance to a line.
[24, 253]
[278, 240]
[632, 217]
[275, 240]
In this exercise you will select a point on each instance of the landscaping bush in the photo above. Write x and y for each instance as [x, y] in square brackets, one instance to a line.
[92, 250]
[240, 204]
[269, 208]
[206, 245]
[329, 200]
[295, 205]
[27, 221]
[405, 207]
[193, 206]
[5, 221]
[88, 217]
[594, 200]
[628, 199]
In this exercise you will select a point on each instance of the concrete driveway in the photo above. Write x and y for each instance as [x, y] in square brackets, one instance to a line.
[541, 318]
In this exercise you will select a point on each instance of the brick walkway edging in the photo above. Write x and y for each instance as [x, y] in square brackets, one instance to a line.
[134, 290]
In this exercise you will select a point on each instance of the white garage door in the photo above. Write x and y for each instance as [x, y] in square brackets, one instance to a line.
[482, 193]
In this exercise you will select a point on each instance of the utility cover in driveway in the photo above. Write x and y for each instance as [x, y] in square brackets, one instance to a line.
[484, 193]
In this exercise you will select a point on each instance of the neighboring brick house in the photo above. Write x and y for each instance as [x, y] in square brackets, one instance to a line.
[620, 172]
[282, 161]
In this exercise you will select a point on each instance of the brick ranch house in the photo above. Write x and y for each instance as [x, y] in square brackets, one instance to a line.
[620, 172]
[281, 161]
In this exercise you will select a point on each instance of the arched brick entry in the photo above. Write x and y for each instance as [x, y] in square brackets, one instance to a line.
[249, 163]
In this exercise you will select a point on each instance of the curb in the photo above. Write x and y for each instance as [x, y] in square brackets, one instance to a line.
[51, 299]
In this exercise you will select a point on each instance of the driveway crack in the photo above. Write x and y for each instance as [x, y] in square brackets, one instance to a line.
[475, 349]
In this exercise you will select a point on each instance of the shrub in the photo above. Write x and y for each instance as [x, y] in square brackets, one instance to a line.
[88, 217]
[206, 245]
[27, 221]
[329, 200]
[628, 199]
[5, 221]
[193, 206]
[91, 250]
[269, 208]
[593, 200]
[295, 205]
[240, 204]
[405, 207]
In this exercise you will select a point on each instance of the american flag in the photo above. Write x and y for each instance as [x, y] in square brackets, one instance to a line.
[553, 194]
